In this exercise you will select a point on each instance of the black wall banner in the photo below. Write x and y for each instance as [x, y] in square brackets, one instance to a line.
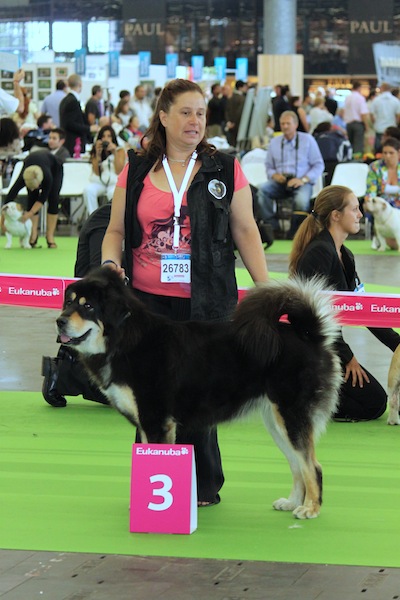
[144, 28]
[370, 21]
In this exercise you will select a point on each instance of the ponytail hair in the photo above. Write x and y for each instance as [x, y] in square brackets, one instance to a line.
[330, 198]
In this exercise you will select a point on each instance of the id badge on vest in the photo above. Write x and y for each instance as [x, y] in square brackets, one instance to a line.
[175, 268]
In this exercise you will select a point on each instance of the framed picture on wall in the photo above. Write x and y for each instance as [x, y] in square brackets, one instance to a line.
[28, 77]
[7, 74]
[44, 84]
[42, 94]
[7, 85]
[44, 72]
[61, 72]
[149, 85]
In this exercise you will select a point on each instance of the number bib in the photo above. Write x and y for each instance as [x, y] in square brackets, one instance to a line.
[175, 268]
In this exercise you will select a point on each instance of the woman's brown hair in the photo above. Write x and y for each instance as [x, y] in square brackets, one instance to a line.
[154, 137]
[330, 198]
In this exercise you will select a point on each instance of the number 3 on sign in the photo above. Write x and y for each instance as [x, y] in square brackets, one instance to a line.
[164, 492]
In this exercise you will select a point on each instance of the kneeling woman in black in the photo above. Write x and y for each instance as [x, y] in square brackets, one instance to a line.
[318, 250]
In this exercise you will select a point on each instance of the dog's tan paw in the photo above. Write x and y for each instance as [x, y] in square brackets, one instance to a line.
[284, 504]
[306, 512]
[393, 420]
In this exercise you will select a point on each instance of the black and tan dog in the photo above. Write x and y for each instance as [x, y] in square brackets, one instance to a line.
[161, 374]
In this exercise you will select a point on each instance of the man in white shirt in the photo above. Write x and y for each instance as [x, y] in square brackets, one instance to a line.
[385, 112]
[356, 118]
[141, 107]
[8, 103]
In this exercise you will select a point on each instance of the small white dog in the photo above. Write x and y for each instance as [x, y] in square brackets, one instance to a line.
[14, 227]
[386, 223]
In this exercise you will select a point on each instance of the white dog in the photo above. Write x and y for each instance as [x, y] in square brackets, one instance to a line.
[386, 223]
[14, 227]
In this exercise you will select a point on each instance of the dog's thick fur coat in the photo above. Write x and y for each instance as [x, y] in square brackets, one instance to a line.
[162, 374]
[12, 212]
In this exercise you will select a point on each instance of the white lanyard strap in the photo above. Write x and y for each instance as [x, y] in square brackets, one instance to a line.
[178, 195]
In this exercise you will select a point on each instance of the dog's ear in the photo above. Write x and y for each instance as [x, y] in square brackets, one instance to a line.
[113, 294]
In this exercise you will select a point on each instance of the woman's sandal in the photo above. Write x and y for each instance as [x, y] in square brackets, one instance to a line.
[51, 244]
[34, 242]
[205, 503]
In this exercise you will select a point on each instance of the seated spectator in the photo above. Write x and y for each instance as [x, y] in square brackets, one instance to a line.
[384, 174]
[334, 147]
[122, 113]
[133, 133]
[39, 137]
[10, 141]
[10, 147]
[338, 122]
[294, 163]
[56, 145]
[319, 113]
[391, 132]
[108, 160]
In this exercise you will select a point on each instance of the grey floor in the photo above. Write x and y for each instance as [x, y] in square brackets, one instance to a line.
[28, 575]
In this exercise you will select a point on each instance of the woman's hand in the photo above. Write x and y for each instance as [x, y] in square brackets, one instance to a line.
[26, 215]
[111, 147]
[356, 372]
[110, 264]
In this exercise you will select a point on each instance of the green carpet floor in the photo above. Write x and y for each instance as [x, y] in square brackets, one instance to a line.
[65, 487]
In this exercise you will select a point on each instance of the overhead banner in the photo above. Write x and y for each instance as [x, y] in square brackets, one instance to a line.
[144, 63]
[113, 63]
[171, 60]
[242, 69]
[387, 62]
[144, 28]
[80, 61]
[197, 66]
[220, 67]
[369, 23]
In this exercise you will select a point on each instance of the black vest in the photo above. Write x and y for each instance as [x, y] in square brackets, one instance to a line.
[213, 285]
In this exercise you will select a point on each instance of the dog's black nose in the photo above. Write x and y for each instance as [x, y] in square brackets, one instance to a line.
[61, 322]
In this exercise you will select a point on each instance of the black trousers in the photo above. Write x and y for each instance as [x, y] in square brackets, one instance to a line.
[362, 404]
[210, 477]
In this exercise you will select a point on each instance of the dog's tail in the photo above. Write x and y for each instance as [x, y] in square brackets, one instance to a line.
[301, 301]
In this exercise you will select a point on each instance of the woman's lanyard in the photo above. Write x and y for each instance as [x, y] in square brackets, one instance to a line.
[178, 195]
[296, 147]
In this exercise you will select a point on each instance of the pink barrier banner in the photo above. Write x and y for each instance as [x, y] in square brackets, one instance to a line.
[372, 310]
[32, 290]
